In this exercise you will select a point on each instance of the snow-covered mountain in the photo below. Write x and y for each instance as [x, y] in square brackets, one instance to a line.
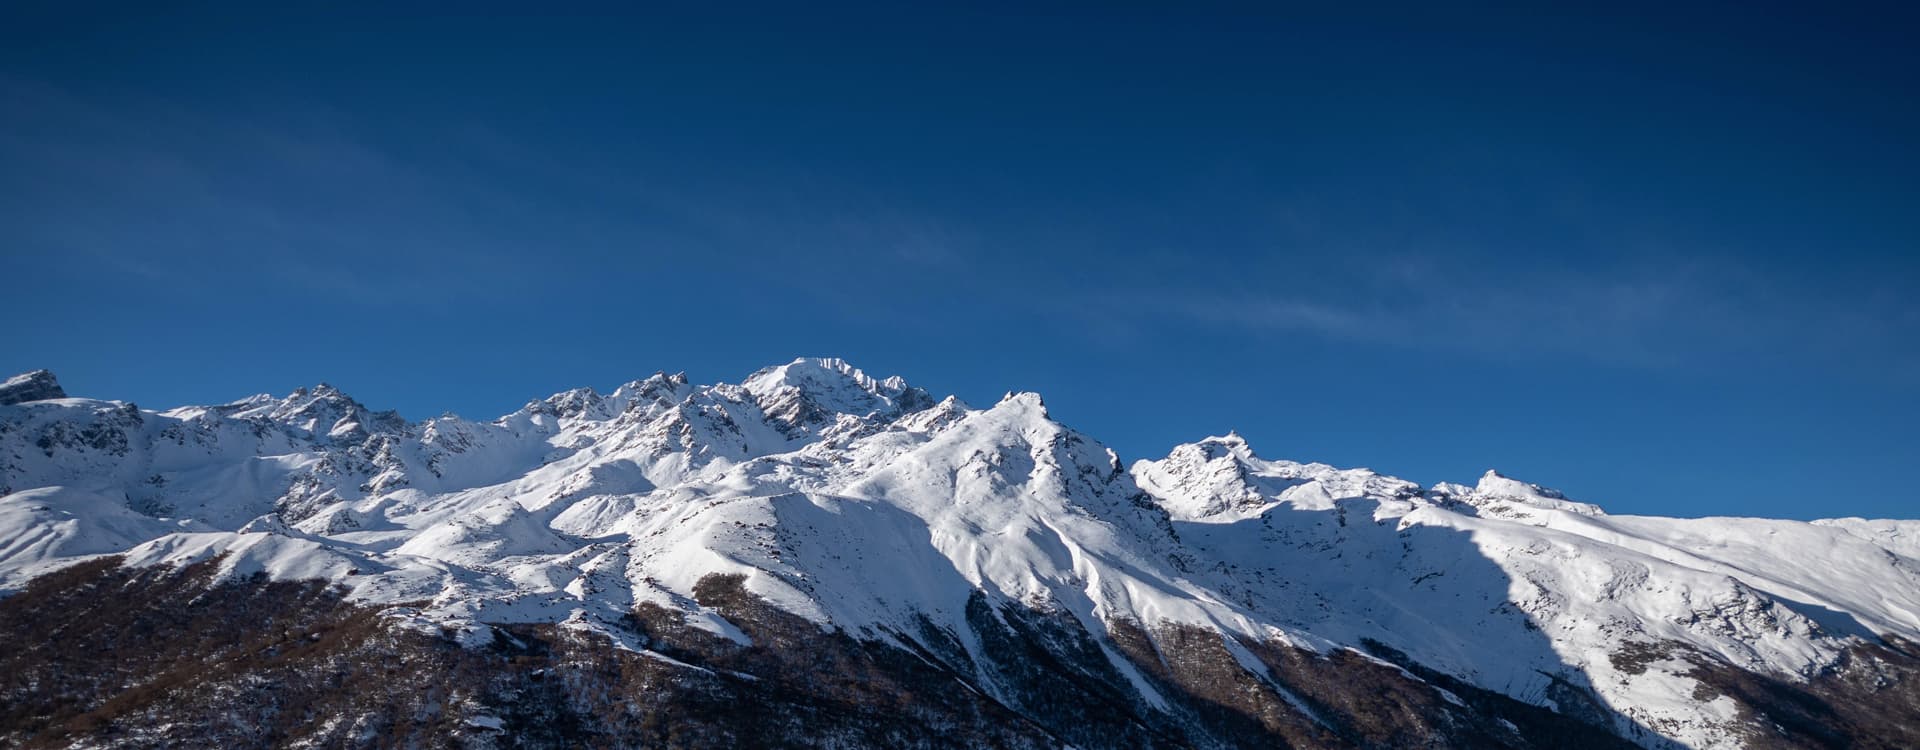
[1208, 597]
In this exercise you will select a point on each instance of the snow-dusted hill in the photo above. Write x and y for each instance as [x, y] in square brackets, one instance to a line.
[869, 508]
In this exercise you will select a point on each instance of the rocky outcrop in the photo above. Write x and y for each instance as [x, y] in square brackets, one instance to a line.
[38, 385]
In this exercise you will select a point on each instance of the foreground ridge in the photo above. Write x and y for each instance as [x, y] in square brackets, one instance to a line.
[735, 548]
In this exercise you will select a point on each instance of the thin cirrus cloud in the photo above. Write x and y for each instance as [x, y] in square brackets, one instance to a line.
[152, 191]
[296, 200]
[1670, 314]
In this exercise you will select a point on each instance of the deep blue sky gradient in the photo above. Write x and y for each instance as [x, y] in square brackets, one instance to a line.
[1666, 260]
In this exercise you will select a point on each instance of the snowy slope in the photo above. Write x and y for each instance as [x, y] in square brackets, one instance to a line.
[867, 506]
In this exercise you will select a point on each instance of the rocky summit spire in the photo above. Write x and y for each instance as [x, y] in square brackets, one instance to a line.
[38, 385]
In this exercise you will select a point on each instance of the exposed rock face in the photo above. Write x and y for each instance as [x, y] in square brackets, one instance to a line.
[819, 557]
[131, 657]
[38, 385]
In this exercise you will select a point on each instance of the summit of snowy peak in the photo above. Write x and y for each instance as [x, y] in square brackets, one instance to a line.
[824, 377]
[810, 393]
[1222, 477]
[1220, 446]
[590, 405]
[1025, 412]
[657, 385]
[38, 385]
[1494, 488]
[301, 400]
[1495, 483]
[1203, 478]
[320, 411]
[1023, 401]
[568, 403]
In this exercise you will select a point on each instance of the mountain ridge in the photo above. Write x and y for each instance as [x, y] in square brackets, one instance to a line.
[864, 506]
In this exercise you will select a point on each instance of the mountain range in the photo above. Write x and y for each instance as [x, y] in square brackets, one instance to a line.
[814, 557]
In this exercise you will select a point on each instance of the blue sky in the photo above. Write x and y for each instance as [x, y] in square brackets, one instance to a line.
[1664, 260]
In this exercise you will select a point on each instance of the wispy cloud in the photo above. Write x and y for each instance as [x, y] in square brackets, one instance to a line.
[1668, 313]
[143, 188]
[302, 201]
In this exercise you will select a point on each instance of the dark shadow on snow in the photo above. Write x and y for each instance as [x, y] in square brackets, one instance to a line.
[1404, 595]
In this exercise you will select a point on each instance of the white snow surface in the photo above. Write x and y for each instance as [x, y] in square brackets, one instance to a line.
[863, 504]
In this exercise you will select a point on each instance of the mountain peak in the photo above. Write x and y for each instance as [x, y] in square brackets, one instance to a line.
[38, 385]
[321, 393]
[1220, 446]
[815, 371]
[1025, 399]
[659, 386]
[1494, 485]
[568, 403]
[808, 392]
[319, 410]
